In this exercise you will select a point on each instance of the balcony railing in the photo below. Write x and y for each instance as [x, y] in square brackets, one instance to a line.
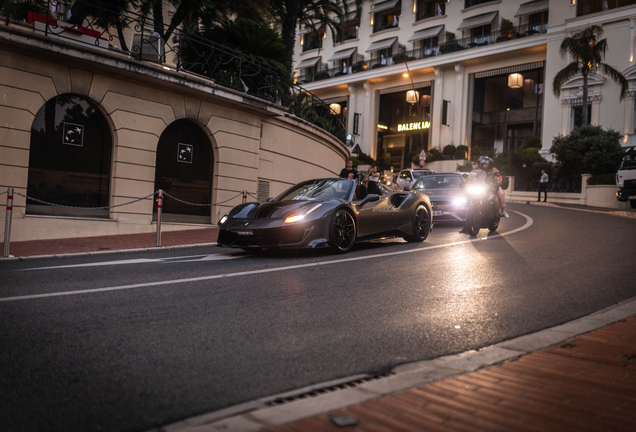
[386, 22]
[101, 27]
[431, 51]
[585, 7]
[429, 10]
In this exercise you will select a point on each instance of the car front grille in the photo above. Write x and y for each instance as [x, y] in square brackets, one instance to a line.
[268, 237]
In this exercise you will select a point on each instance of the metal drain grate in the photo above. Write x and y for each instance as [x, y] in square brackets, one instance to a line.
[326, 390]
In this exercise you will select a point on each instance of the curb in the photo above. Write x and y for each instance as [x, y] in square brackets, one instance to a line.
[259, 415]
[105, 252]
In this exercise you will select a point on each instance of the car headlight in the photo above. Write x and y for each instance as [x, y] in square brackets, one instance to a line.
[224, 218]
[476, 190]
[298, 217]
[459, 202]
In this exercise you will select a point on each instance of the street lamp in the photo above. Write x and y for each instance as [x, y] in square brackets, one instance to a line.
[515, 80]
[412, 96]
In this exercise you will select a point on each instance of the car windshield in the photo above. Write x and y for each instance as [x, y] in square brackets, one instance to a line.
[321, 189]
[629, 161]
[418, 174]
[430, 182]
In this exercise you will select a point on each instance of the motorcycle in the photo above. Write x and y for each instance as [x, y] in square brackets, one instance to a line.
[482, 211]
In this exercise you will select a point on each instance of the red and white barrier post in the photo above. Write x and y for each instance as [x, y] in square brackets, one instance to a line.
[7, 224]
[159, 210]
[244, 196]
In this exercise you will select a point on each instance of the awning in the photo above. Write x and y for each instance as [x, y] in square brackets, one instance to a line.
[426, 33]
[477, 21]
[310, 62]
[533, 7]
[383, 6]
[385, 43]
[343, 54]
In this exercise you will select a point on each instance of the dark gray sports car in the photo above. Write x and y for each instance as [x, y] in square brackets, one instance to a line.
[329, 212]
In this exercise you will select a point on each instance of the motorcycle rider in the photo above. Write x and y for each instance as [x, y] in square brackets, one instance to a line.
[494, 179]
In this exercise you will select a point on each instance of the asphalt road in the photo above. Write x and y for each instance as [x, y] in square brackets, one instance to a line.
[129, 342]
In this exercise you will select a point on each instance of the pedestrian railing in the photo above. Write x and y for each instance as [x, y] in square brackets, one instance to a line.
[161, 195]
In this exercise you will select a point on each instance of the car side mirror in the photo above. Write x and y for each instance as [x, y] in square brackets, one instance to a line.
[369, 198]
[270, 199]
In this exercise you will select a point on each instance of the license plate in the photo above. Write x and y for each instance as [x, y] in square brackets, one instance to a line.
[632, 197]
[245, 233]
[438, 213]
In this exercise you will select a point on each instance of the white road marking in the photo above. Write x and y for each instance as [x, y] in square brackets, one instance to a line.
[213, 257]
[528, 223]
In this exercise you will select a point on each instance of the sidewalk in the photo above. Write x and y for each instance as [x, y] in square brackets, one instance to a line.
[585, 384]
[110, 244]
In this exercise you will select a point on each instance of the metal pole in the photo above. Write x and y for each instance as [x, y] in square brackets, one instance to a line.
[244, 196]
[159, 210]
[7, 226]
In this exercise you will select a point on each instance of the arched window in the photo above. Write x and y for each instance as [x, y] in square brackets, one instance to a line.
[184, 171]
[70, 158]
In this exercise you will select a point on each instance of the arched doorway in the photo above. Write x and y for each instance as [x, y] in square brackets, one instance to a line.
[70, 159]
[184, 171]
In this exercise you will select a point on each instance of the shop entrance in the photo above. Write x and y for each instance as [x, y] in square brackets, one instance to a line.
[403, 127]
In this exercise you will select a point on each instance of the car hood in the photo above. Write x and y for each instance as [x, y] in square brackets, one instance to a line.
[444, 193]
[279, 209]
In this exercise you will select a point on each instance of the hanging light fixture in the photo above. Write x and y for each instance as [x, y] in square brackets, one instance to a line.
[335, 107]
[412, 96]
[515, 80]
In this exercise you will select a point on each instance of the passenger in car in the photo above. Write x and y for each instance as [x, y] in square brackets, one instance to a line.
[374, 178]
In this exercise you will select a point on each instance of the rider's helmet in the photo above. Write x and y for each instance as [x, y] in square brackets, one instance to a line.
[485, 163]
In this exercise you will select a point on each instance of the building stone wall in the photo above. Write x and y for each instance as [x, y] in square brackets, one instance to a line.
[251, 139]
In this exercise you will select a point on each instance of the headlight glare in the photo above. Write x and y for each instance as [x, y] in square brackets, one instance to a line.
[459, 202]
[301, 216]
[476, 190]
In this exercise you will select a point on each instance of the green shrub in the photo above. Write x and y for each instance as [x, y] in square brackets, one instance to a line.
[462, 152]
[434, 155]
[587, 149]
[533, 141]
[602, 179]
[449, 151]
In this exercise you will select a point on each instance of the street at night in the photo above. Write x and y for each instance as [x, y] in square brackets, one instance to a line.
[134, 341]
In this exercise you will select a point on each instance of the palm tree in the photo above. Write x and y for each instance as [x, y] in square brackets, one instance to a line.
[588, 52]
[314, 14]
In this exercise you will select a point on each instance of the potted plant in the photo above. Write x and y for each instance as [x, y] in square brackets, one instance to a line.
[506, 30]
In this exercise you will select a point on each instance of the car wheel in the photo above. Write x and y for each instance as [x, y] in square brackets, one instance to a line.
[421, 225]
[472, 221]
[342, 232]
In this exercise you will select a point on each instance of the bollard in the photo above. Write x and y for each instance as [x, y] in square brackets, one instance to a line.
[244, 196]
[7, 225]
[159, 210]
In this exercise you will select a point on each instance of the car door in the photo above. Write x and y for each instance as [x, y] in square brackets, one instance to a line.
[377, 217]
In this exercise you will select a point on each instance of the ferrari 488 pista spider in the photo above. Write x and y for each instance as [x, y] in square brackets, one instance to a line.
[328, 212]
